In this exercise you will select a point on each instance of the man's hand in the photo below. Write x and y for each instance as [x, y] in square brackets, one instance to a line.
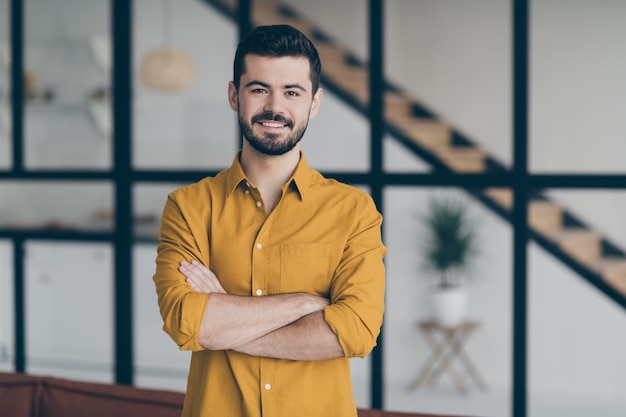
[201, 278]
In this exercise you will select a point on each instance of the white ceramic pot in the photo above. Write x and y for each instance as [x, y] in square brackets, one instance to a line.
[450, 305]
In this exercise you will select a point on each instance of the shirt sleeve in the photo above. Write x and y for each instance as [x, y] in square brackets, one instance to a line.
[358, 288]
[181, 307]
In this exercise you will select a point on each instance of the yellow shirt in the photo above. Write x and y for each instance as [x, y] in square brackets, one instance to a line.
[322, 238]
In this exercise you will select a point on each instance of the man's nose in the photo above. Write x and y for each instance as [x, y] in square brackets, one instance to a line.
[273, 103]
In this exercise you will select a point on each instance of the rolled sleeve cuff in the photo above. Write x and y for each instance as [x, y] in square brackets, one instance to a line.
[185, 327]
[354, 336]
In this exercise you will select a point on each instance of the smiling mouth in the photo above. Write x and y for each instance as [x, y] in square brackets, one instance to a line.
[273, 124]
[272, 121]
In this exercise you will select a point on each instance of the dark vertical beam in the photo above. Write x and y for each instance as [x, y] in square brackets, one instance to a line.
[520, 172]
[19, 305]
[244, 23]
[121, 29]
[377, 126]
[17, 127]
[377, 88]
[244, 20]
[17, 83]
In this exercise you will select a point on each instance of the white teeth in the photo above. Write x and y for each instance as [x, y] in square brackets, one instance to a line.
[270, 124]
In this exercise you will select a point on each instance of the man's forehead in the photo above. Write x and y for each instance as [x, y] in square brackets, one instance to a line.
[283, 70]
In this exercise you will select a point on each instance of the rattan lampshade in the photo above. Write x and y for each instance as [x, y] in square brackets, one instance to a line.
[166, 69]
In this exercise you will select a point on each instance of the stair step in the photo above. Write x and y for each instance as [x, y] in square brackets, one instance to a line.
[425, 132]
[348, 74]
[397, 106]
[502, 196]
[331, 55]
[613, 270]
[582, 244]
[462, 159]
[353, 80]
[545, 216]
[267, 12]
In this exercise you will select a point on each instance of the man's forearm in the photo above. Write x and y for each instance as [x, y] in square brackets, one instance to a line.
[230, 321]
[308, 338]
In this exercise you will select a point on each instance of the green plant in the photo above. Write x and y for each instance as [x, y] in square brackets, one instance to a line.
[450, 239]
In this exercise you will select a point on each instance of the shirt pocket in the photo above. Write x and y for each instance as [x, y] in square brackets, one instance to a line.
[308, 267]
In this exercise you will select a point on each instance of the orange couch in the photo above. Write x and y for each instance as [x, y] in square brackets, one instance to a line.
[35, 396]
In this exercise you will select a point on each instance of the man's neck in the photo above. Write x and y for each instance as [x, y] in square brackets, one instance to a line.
[268, 172]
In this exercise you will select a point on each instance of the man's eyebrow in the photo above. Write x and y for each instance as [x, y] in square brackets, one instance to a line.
[257, 82]
[266, 85]
[296, 86]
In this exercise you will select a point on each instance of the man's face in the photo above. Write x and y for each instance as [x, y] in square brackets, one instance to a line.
[274, 102]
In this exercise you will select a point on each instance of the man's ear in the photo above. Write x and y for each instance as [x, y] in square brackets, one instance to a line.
[232, 96]
[317, 102]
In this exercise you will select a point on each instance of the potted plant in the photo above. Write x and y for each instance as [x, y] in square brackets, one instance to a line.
[449, 248]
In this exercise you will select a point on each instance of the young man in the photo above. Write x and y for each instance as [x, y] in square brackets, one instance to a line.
[271, 274]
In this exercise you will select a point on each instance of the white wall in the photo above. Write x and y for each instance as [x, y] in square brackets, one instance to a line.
[455, 57]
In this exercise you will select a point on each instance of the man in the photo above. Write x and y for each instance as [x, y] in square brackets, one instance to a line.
[271, 274]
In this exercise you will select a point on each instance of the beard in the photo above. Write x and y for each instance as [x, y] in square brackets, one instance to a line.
[270, 143]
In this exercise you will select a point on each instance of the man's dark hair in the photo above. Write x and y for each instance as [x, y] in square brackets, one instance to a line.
[277, 41]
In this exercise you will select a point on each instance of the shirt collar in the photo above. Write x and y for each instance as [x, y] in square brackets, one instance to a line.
[235, 175]
[301, 179]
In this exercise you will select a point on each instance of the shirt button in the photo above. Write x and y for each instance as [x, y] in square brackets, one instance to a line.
[259, 246]
[259, 292]
[258, 204]
[268, 387]
[247, 191]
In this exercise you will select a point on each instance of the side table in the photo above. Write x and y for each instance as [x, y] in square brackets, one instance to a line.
[446, 345]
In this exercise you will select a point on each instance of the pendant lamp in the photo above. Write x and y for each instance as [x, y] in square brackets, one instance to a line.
[166, 68]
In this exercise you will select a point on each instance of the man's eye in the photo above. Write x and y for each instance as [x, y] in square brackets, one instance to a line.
[258, 91]
[292, 93]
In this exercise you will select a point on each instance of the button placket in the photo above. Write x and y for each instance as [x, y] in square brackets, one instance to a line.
[258, 281]
[254, 194]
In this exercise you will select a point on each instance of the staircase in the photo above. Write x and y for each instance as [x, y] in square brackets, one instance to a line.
[435, 141]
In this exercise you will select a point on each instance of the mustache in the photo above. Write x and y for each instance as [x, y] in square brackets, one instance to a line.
[273, 117]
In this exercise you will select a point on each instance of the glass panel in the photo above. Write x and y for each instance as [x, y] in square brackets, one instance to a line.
[61, 206]
[158, 362]
[400, 159]
[148, 203]
[338, 138]
[7, 318]
[5, 71]
[577, 92]
[576, 350]
[67, 84]
[450, 64]
[186, 123]
[69, 287]
[478, 379]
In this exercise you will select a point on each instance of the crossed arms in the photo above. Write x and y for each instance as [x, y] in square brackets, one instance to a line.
[284, 326]
[199, 314]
